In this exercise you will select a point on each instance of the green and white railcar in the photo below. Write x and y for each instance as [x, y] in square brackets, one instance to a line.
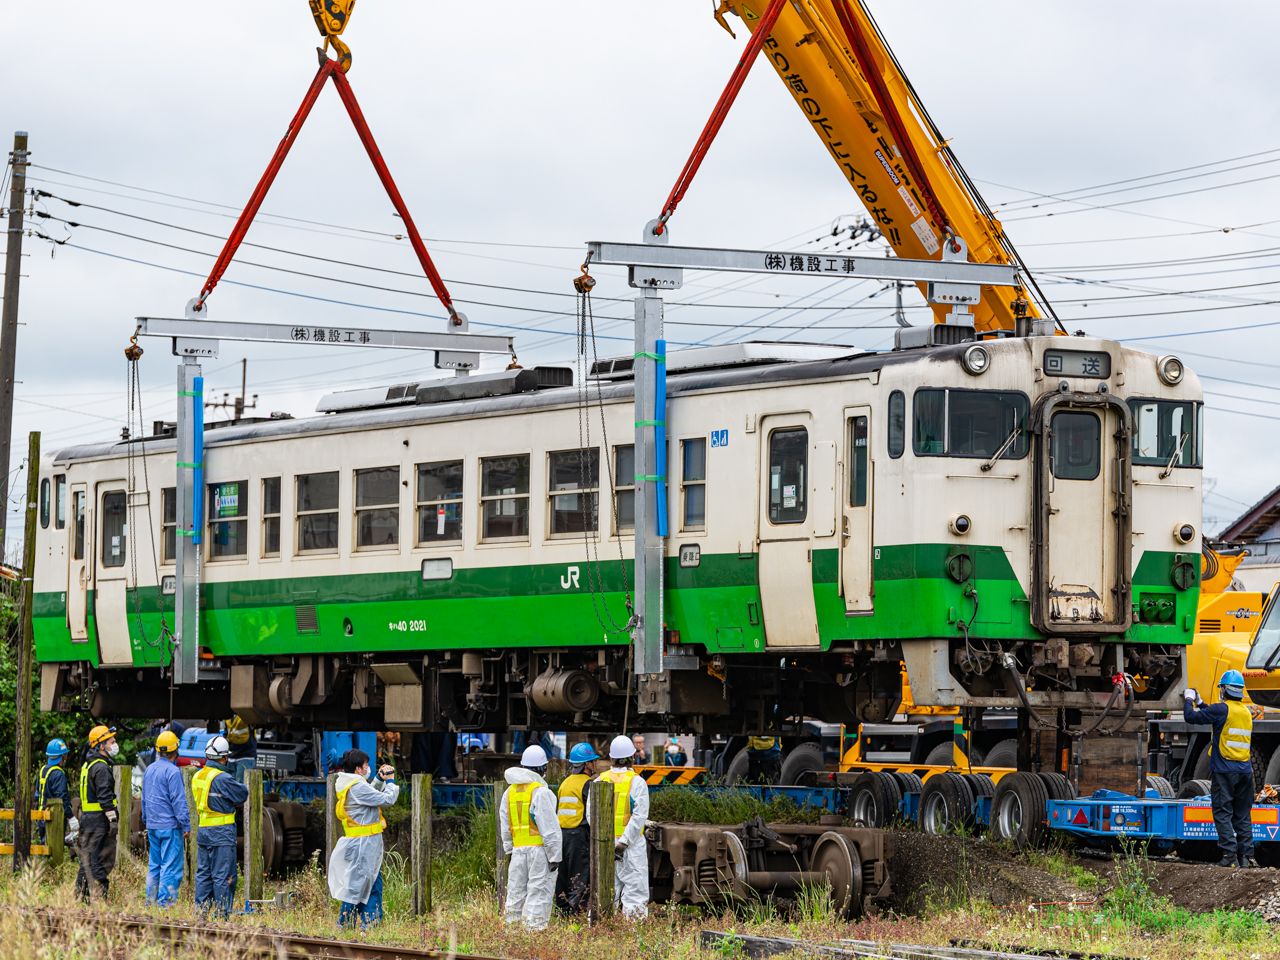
[1016, 522]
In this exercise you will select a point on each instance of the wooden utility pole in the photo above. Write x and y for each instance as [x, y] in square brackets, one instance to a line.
[330, 818]
[123, 774]
[602, 856]
[253, 866]
[9, 321]
[22, 755]
[499, 855]
[188, 774]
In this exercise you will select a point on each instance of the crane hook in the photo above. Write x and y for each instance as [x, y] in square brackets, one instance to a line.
[133, 352]
[585, 283]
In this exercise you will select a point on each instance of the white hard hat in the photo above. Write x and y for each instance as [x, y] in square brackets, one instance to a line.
[217, 747]
[621, 748]
[533, 756]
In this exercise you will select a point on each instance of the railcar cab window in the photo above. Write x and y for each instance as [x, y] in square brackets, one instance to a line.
[44, 503]
[60, 501]
[504, 497]
[970, 423]
[788, 475]
[439, 501]
[115, 528]
[271, 517]
[897, 432]
[169, 523]
[318, 513]
[228, 520]
[1075, 447]
[624, 489]
[693, 483]
[573, 489]
[1167, 432]
[377, 508]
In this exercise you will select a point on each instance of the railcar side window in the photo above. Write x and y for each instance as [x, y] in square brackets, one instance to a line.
[1167, 430]
[573, 489]
[440, 501]
[44, 503]
[788, 475]
[377, 508]
[271, 517]
[1076, 446]
[693, 482]
[970, 423]
[115, 528]
[60, 501]
[169, 523]
[78, 507]
[317, 508]
[228, 520]
[624, 488]
[858, 462]
[897, 424]
[504, 497]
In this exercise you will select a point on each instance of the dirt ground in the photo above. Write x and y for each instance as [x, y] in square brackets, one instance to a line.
[931, 871]
[1202, 887]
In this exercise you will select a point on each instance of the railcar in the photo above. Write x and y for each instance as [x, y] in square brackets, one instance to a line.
[1012, 522]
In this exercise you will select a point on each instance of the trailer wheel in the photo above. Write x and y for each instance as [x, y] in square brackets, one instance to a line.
[1003, 754]
[1267, 854]
[1162, 787]
[873, 800]
[1057, 786]
[1018, 809]
[1272, 773]
[804, 758]
[1192, 789]
[1201, 771]
[943, 755]
[908, 782]
[837, 856]
[737, 770]
[945, 804]
[980, 784]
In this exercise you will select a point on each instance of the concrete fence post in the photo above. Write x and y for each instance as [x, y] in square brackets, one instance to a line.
[330, 818]
[189, 774]
[124, 810]
[602, 840]
[499, 856]
[253, 864]
[420, 846]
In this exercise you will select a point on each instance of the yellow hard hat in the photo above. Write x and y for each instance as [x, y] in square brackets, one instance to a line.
[100, 733]
[167, 742]
[238, 731]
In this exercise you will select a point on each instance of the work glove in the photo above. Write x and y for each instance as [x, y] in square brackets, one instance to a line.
[73, 829]
[112, 817]
[1191, 695]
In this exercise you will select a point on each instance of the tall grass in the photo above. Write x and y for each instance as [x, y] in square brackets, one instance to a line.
[681, 804]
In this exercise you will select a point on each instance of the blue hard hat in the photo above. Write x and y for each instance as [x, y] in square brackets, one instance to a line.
[57, 748]
[1232, 678]
[582, 753]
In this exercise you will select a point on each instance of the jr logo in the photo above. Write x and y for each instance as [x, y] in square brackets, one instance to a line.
[570, 579]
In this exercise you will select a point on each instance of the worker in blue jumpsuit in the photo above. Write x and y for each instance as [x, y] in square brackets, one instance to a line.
[1231, 771]
[53, 787]
[217, 794]
[167, 820]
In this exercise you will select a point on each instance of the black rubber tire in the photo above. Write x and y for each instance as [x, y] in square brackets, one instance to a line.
[943, 755]
[1057, 786]
[873, 800]
[804, 758]
[1192, 789]
[1272, 773]
[1267, 854]
[736, 772]
[1018, 809]
[945, 804]
[1003, 754]
[908, 782]
[1201, 770]
[980, 785]
[1162, 787]
[1260, 762]
[1201, 851]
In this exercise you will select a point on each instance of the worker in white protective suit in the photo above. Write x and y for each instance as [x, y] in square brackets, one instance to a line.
[531, 837]
[355, 866]
[630, 813]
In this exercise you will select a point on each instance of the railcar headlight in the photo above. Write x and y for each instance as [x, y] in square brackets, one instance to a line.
[1184, 533]
[1170, 369]
[960, 524]
[976, 360]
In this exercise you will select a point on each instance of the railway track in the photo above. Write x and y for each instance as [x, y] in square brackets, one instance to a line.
[246, 941]
[759, 948]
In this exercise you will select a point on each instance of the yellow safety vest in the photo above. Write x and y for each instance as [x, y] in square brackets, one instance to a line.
[349, 826]
[200, 785]
[85, 805]
[621, 780]
[761, 743]
[571, 809]
[524, 832]
[44, 778]
[1237, 732]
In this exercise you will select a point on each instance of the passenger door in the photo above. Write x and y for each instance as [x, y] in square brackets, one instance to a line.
[79, 563]
[785, 539]
[856, 583]
[110, 593]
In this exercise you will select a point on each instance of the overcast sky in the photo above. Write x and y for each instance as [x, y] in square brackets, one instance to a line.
[516, 132]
